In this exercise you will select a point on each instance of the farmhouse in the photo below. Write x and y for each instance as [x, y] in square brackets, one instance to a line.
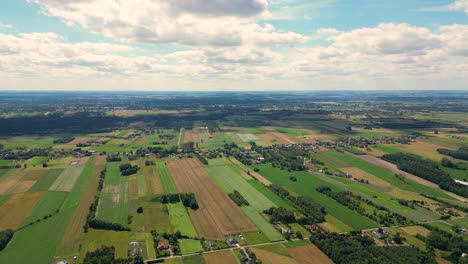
[232, 240]
[137, 252]
[163, 246]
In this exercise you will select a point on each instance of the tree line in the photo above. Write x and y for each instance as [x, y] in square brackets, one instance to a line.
[187, 199]
[314, 212]
[380, 214]
[356, 248]
[428, 170]
[91, 220]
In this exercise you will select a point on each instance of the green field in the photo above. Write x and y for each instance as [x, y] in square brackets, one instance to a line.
[37, 240]
[190, 246]
[387, 175]
[248, 137]
[230, 179]
[262, 224]
[255, 237]
[156, 217]
[297, 243]
[461, 175]
[36, 161]
[44, 183]
[3, 172]
[294, 132]
[4, 198]
[180, 219]
[305, 185]
[48, 205]
[197, 259]
[166, 179]
[463, 222]
[275, 248]
[66, 180]
[113, 202]
[278, 201]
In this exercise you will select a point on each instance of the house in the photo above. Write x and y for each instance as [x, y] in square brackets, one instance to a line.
[163, 246]
[137, 252]
[232, 240]
[213, 243]
[284, 230]
[134, 244]
[315, 227]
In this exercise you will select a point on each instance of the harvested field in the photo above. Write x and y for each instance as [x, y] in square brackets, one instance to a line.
[225, 257]
[275, 138]
[271, 258]
[421, 148]
[132, 187]
[248, 137]
[191, 136]
[332, 224]
[73, 235]
[393, 168]
[17, 208]
[360, 174]
[21, 181]
[309, 254]
[67, 178]
[156, 218]
[414, 230]
[152, 181]
[254, 174]
[217, 215]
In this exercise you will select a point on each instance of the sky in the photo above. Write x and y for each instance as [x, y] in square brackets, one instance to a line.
[224, 45]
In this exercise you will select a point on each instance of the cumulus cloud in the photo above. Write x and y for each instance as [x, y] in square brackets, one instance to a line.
[190, 23]
[47, 54]
[390, 52]
[460, 5]
[388, 39]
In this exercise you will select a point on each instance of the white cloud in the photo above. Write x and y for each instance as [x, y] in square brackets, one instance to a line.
[388, 39]
[457, 5]
[397, 55]
[460, 5]
[190, 23]
[3, 25]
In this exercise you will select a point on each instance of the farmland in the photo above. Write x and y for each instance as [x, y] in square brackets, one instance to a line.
[231, 180]
[113, 203]
[214, 203]
[270, 174]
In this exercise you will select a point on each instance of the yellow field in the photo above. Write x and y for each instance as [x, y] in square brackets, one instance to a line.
[17, 208]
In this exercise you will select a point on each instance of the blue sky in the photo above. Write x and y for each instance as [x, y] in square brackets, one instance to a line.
[233, 45]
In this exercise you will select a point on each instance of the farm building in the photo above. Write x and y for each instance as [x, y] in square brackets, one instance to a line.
[137, 252]
[163, 246]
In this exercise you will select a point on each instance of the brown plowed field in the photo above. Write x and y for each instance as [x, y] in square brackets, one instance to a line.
[225, 257]
[275, 138]
[17, 208]
[360, 174]
[268, 257]
[20, 181]
[218, 215]
[309, 254]
[132, 188]
[191, 136]
[152, 181]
